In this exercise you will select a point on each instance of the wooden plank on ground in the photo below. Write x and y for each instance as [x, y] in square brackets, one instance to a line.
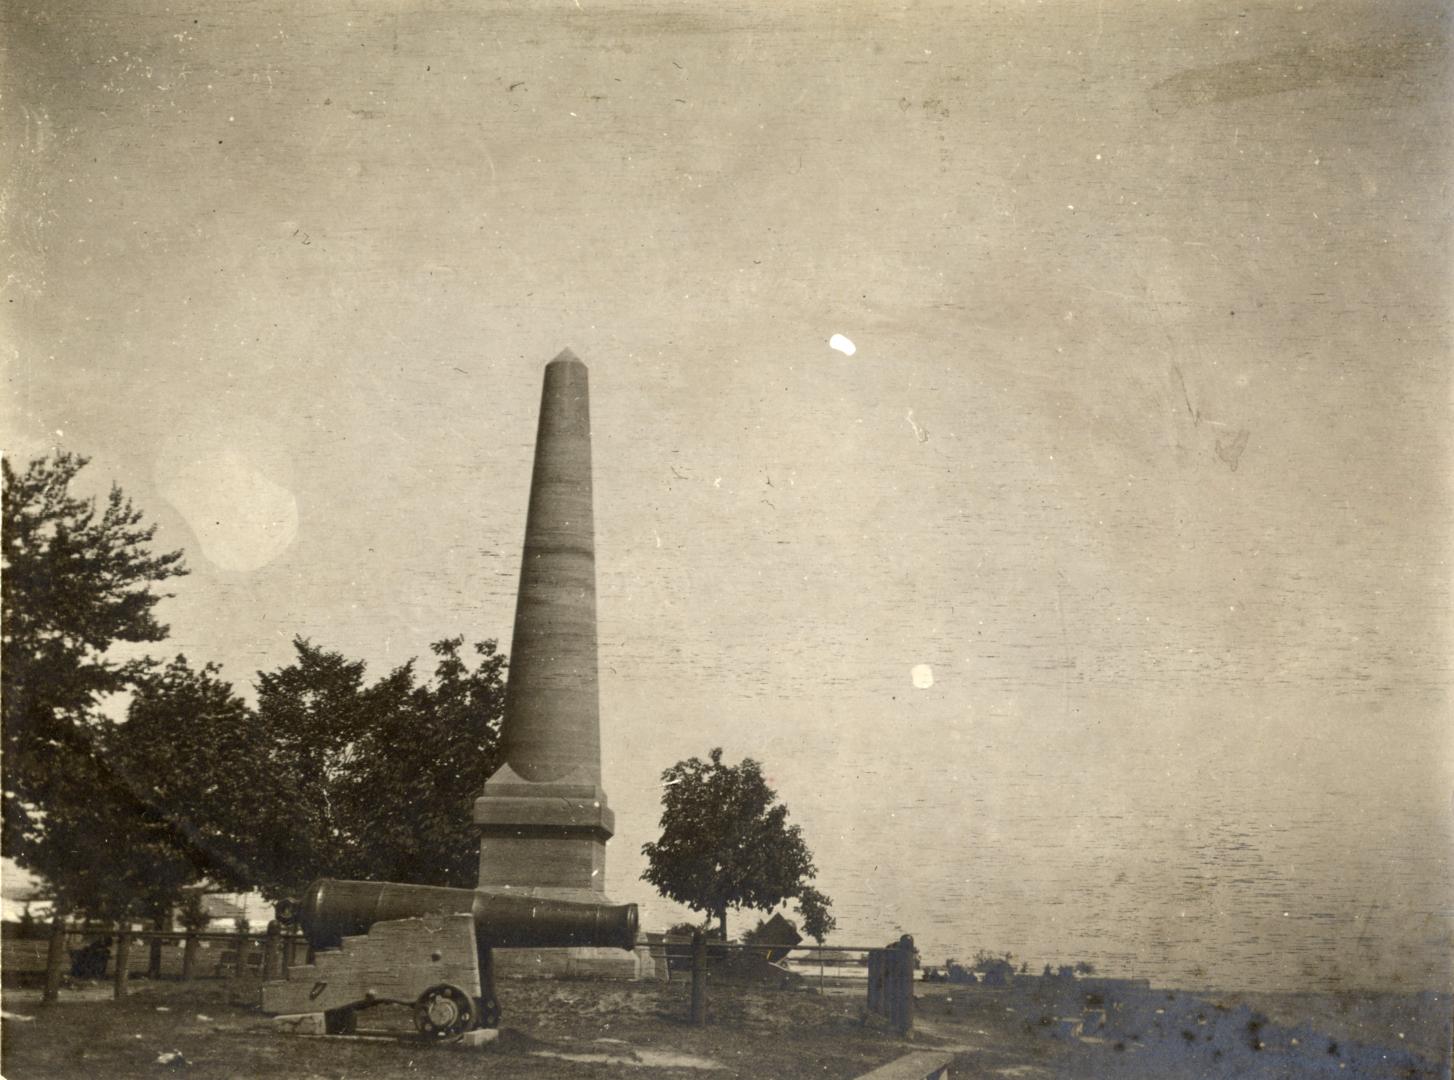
[920, 1065]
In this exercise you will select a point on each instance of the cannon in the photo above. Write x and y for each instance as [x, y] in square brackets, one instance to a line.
[332, 910]
[426, 947]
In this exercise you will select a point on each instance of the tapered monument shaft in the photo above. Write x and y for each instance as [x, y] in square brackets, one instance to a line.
[543, 817]
[552, 721]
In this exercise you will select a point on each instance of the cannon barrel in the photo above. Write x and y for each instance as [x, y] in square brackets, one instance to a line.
[333, 909]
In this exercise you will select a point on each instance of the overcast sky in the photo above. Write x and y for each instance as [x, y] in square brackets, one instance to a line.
[1142, 457]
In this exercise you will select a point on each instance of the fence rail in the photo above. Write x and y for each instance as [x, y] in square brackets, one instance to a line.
[890, 970]
[92, 951]
[108, 951]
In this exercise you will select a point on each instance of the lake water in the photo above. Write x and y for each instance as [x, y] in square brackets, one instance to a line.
[1186, 890]
[1193, 887]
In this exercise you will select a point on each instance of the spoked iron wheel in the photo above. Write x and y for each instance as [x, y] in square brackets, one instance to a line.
[444, 1012]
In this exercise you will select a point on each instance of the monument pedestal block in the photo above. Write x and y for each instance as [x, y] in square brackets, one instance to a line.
[551, 834]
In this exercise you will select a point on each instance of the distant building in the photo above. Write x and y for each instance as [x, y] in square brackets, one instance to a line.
[20, 891]
[226, 909]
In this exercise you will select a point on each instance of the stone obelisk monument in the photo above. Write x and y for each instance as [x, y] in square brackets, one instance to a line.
[543, 817]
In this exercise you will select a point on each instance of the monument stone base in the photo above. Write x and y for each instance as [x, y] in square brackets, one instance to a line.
[569, 964]
[551, 834]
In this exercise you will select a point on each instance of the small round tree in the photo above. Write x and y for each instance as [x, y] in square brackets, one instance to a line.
[725, 843]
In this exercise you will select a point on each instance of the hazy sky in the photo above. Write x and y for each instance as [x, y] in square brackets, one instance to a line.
[1143, 455]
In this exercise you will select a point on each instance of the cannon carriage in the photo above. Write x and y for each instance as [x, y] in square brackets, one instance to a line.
[428, 948]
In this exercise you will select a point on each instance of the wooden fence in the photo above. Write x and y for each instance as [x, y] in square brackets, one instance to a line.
[891, 983]
[890, 970]
[271, 952]
[100, 952]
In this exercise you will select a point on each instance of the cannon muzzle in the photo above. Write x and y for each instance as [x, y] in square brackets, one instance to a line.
[332, 910]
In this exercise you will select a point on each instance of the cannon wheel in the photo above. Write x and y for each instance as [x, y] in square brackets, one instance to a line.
[444, 1012]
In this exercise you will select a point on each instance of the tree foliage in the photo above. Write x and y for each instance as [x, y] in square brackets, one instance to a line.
[187, 755]
[76, 581]
[310, 714]
[446, 734]
[331, 774]
[382, 775]
[996, 969]
[726, 843]
[175, 801]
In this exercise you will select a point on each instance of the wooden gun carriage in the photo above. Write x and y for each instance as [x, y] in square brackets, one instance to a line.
[426, 947]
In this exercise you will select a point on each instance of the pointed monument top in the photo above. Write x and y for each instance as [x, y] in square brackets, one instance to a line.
[566, 357]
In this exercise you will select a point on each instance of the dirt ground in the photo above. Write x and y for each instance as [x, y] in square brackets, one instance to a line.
[596, 1028]
[552, 1028]
[1089, 1032]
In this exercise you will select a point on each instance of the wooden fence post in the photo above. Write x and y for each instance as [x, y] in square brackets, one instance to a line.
[875, 980]
[270, 950]
[290, 945]
[154, 957]
[891, 983]
[55, 956]
[122, 959]
[901, 985]
[242, 943]
[189, 957]
[699, 977]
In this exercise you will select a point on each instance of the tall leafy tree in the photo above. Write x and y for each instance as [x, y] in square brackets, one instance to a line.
[192, 805]
[175, 799]
[726, 844]
[186, 760]
[384, 774]
[77, 579]
[310, 714]
[410, 787]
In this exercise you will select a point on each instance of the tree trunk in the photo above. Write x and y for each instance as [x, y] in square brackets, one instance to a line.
[55, 957]
[122, 960]
[189, 956]
[699, 977]
[159, 922]
[722, 922]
